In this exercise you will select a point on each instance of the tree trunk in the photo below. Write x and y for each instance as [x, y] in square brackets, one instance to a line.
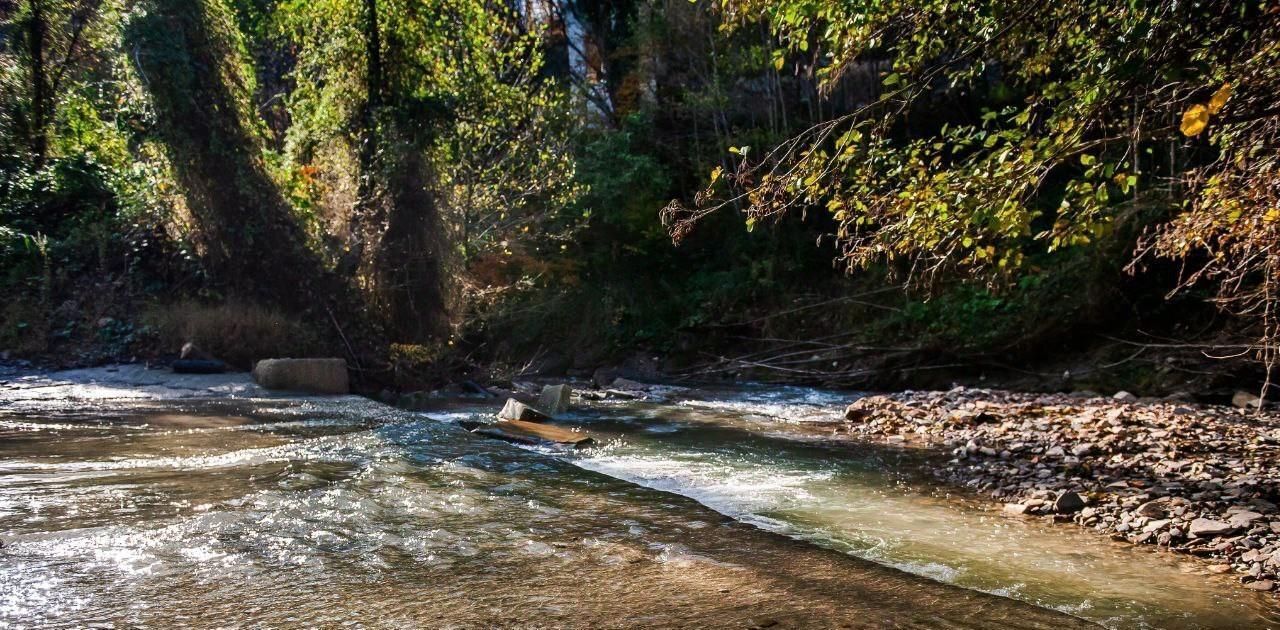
[396, 224]
[37, 33]
[367, 192]
[411, 261]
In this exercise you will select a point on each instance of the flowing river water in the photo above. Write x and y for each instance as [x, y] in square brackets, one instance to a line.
[730, 509]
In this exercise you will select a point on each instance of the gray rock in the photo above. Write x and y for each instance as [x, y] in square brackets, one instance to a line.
[1017, 509]
[1243, 519]
[627, 384]
[316, 376]
[1080, 450]
[1123, 396]
[1208, 527]
[1156, 525]
[1156, 508]
[555, 399]
[516, 410]
[1261, 585]
[1068, 502]
[1245, 400]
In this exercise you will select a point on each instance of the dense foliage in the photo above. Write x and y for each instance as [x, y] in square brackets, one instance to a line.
[1003, 130]
[482, 179]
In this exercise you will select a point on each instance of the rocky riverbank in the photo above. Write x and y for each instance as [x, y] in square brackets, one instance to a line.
[1193, 479]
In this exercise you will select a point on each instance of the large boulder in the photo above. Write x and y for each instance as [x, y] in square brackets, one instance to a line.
[316, 376]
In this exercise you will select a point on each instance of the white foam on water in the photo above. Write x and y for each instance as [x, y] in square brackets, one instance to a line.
[728, 489]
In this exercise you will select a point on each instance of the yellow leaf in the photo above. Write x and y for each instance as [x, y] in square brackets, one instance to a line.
[715, 174]
[1219, 98]
[1195, 120]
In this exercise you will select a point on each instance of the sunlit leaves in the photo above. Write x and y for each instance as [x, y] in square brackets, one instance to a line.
[1194, 120]
[1219, 98]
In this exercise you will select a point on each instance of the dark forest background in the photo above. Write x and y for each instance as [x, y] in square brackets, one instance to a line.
[861, 194]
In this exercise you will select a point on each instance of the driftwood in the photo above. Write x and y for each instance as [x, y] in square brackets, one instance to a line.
[522, 432]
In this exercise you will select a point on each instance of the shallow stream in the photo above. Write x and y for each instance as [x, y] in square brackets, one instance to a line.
[345, 512]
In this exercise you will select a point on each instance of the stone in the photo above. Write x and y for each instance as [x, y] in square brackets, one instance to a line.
[854, 413]
[516, 410]
[1156, 525]
[1208, 527]
[316, 376]
[193, 352]
[1156, 508]
[1261, 585]
[554, 399]
[1123, 396]
[1068, 502]
[1016, 509]
[1243, 519]
[1080, 450]
[627, 384]
[1245, 400]
[602, 377]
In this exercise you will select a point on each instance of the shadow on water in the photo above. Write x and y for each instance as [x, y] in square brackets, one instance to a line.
[318, 513]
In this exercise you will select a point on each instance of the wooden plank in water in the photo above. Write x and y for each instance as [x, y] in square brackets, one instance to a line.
[533, 433]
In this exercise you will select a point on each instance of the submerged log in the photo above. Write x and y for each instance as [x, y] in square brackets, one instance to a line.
[522, 432]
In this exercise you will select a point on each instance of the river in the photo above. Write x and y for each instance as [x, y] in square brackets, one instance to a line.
[735, 508]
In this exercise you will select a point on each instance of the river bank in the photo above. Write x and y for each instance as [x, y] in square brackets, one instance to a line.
[1200, 480]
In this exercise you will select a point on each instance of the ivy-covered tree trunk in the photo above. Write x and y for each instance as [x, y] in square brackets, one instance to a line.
[399, 236]
[411, 258]
[188, 56]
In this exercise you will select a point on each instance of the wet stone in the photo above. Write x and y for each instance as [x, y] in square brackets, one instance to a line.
[1207, 527]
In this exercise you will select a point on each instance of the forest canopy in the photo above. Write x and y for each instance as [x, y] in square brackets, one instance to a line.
[474, 179]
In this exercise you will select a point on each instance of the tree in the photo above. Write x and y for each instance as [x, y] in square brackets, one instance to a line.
[50, 39]
[452, 129]
[1008, 129]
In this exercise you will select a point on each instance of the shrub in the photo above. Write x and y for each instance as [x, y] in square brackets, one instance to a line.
[236, 332]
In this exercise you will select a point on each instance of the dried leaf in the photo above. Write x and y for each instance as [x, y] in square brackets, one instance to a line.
[1219, 98]
[1194, 120]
